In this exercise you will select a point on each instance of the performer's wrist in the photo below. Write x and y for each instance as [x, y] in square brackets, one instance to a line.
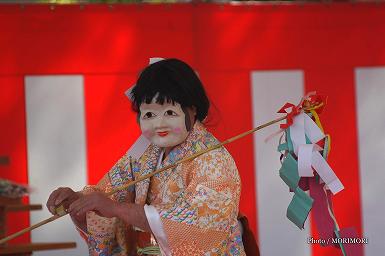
[132, 214]
[80, 222]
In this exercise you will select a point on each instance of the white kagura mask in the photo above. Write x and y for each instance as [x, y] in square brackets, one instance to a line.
[163, 125]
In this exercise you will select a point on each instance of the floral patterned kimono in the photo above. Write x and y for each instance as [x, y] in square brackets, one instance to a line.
[191, 209]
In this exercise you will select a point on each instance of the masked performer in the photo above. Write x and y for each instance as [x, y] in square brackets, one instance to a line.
[191, 209]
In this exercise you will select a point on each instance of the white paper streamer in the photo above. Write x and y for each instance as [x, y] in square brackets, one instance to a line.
[313, 132]
[326, 173]
[308, 155]
[297, 132]
[305, 153]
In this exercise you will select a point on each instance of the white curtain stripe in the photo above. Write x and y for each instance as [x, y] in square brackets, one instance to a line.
[277, 235]
[56, 151]
[370, 96]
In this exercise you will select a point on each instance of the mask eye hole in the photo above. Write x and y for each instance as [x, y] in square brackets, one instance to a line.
[170, 113]
[148, 115]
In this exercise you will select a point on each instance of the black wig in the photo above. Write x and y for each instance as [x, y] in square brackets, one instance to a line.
[171, 80]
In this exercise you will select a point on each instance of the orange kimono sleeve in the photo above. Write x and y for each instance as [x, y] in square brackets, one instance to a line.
[108, 236]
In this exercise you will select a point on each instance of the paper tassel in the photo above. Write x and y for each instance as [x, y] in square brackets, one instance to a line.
[304, 167]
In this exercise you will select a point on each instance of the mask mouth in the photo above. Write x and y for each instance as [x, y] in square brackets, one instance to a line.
[162, 134]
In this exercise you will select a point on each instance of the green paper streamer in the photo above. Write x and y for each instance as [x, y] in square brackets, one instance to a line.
[288, 140]
[326, 148]
[283, 147]
[307, 140]
[299, 208]
[289, 172]
[340, 244]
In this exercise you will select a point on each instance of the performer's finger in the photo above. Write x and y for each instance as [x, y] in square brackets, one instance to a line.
[74, 205]
[65, 193]
[51, 201]
[84, 209]
[66, 204]
[77, 204]
[81, 208]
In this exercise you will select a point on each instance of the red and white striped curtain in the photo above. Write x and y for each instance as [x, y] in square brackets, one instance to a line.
[64, 118]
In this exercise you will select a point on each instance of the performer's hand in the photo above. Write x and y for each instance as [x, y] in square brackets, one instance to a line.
[95, 201]
[64, 196]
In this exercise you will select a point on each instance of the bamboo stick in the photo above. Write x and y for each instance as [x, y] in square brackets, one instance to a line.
[23, 231]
